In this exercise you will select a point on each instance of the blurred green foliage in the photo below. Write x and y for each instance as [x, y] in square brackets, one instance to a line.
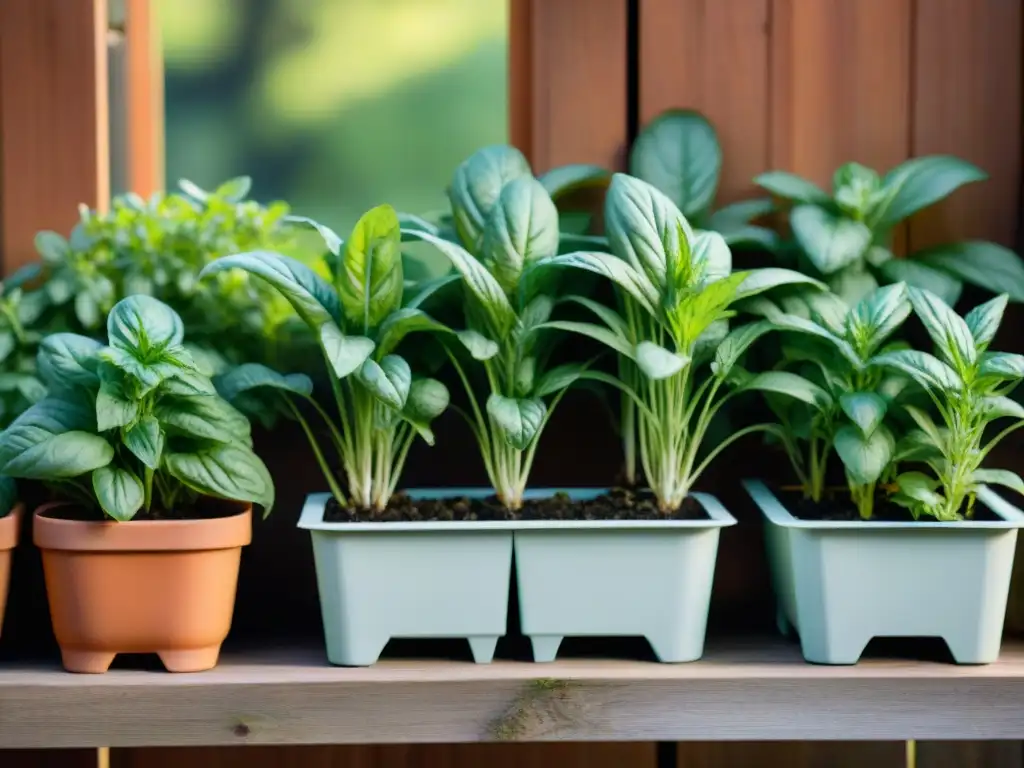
[333, 105]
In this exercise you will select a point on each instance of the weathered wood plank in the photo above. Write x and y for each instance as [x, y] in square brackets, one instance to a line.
[750, 692]
[967, 102]
[568, 81]
[53, 118]
[412, 756]
[713, 57]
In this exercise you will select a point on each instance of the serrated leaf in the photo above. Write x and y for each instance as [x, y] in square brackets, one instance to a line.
[518, 419]
[865, 409]
[865, 457]
[831, 241]
[119, 492]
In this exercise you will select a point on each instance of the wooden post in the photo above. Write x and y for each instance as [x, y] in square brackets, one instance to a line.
[53, 119]
[144, 97]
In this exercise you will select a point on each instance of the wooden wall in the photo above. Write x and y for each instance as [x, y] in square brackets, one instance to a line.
[801, 85]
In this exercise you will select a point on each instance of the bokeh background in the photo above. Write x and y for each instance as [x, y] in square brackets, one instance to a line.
[333, 105]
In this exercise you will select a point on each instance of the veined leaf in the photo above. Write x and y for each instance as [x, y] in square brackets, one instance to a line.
[478, 345]
[761, 280]
[389, 381]
[67, 360]
[114, 408]
[799, 324]
[139, 324]
[478, 183]
[983, 321]
[521, 228]
[918, 183]
[1002, 477]
[987, 265]
[634, 283]
[678, 152]
[864, 457]
[250, 376]
[312, 297]
[792, 187]
[401, 323]
[865, 409]
[786, 383]
[427, 289]
[1002, 365]
[331, 238]
[657, 362]
[599, 333]
[946, 328]
[59, 456]
[488, 291]
[369, 281]
[118, 491]
[919, 487]
[830, 241]
[427, 400]
[927, 370]
[876, 316]
[853, 283]
[711, 260]
[518, 419]
[921, 275]
[225, 471]
[736, 343]
[146, 441]
[999, 406]
[345, 353]
[203, 416]
[926, 425]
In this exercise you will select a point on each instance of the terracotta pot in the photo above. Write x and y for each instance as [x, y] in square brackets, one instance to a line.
[8, 540]
[164, 587]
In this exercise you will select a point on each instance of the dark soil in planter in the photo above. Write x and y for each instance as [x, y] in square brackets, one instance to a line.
[209, 509]
[617, 504]
[837, 506]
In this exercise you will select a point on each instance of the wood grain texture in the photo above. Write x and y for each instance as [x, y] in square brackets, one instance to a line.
[144, 97]
[564, 755]
[970, 754]
[711, 56]
[569, 100]
[967, 102]
[747, 692]
[53, 119]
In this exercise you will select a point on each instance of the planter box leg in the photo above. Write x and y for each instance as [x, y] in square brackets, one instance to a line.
[194, 660]
[845, 647]
[677, 646]
[483, 648]
[545, 647]
[971, 645]
[89, 662]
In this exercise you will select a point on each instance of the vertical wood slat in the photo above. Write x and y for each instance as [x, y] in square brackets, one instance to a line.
[48, 758]
[53, 118]
[568, 81]
[791, 754]
[144, 97]
[712, 56]
[970, 754]
[967, 102]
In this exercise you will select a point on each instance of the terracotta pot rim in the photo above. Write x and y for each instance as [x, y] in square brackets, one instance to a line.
[141, 535]
[9, 526]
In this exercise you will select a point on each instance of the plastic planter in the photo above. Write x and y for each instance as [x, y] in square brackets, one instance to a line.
[409, 580]
[622, 578]
[839, 584]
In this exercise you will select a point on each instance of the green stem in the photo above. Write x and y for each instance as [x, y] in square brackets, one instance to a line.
[324, 467]
[726, 443]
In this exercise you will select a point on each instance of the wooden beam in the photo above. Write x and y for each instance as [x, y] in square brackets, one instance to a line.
[144, 98]
[749, 691]
[53, 119]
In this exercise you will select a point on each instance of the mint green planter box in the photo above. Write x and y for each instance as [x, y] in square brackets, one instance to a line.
[620, 578]
[409, 580]
[839, 584]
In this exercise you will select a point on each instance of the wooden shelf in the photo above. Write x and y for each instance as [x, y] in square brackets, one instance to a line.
[742, 691]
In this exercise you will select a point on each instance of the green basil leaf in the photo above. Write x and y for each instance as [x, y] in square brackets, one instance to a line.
[567, 179]
[608, 316]
[427, 400]
[736, 217]
[234, 190]
[656, 362]
[678, 152]
[732, 347]
[370, 281]
[1002, 365]
[633, 282]
[853, 283]
[399, 324]
[118, 491]
[865, 457]
[983, 321]
[114, 407]
[67, 360]
[146, 441]
[52, 247]
[786, 383]
[518, 419]
[946, 328]
[312, 297]
[60, 456]
[920, 275]
[987, 265]
[802, 325]
[919, 487]
[139, 324]
[329, 236]
[389, 380]
[42, 420]
[927, 370]
[477, 185]
[865, 409]
[792, 187]
[478, 345]
[345, 353]
[1002, 477]
[606, 336]
[875, 317]
[760, 280]
[918, 183]
[204, 416]
[999, 406]
[193, 190]
[521, 228]
[926, 425]
[226, 471]
[831, 241]
[249, 376]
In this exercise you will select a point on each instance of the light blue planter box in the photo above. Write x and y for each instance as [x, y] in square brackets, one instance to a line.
[618, 578]
[839, 584]
[451, 579]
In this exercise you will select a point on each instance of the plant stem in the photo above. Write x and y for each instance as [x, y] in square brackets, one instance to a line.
[324, 466]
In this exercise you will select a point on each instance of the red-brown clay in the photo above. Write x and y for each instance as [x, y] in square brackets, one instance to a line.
[144, 586]
[8, 540]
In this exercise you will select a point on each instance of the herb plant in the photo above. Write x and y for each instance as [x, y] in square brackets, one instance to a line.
[358, 321]
[132, 425]
[968, 386]
[846, 236]
[679, 153]
[676, 292]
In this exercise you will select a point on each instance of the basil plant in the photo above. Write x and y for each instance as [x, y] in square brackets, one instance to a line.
[132, 426]
[846, 237]
[842, 399]
[359, 320]
[679, 362]
[679, 153]
[968, 387]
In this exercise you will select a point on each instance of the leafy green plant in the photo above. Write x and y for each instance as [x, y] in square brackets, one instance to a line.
[968, 387]
[358, 321]
[678, 152]
[843, 398]
[157, 247]
[133, 425]
[679, 362]
[847, 237]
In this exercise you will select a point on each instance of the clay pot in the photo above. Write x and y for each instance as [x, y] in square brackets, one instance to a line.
[164, 587]
[8, 540]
